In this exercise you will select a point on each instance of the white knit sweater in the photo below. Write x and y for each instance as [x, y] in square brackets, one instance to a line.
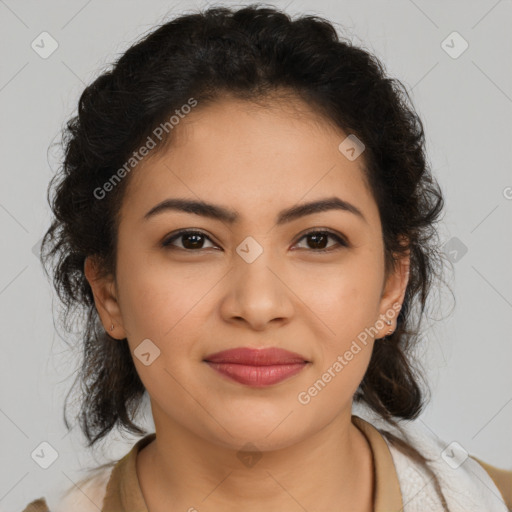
[466, 485]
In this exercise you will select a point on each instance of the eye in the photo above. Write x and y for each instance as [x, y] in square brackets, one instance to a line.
[319, 238]
[192, 240]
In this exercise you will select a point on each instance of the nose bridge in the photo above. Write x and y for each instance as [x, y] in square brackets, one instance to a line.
[254, 259]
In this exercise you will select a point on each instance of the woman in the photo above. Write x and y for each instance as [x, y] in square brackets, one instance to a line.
[246, 207]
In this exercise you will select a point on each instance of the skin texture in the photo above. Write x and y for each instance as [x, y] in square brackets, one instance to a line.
[257, 160]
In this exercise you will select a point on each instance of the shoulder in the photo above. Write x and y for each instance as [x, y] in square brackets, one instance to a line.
[502, 478]
[90, 493]
[38, 505]
[466, 483]
[87, 495]
[84, 496]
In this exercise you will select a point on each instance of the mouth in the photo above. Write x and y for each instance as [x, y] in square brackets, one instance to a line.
[257, 367]
[256, 357]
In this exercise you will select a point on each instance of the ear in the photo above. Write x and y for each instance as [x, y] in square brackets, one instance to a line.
[393, 293]
[105, 299]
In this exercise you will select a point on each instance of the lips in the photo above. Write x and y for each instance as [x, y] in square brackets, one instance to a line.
[257, 367]
[256, 357]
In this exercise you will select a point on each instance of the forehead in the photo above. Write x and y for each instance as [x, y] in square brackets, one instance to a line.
[250, 156]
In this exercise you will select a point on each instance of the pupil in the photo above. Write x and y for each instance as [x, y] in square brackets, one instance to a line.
[195, 244]
[316, 237]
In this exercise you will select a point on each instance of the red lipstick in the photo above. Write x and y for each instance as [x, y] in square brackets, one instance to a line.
[257, 367]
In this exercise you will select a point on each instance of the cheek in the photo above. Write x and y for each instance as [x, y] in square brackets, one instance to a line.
[348, 306]
[159, 299]
[345, 297]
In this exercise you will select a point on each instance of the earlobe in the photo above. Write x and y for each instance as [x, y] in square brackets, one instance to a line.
[105, 300]
[394, 294]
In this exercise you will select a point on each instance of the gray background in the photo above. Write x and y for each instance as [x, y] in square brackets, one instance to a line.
[466, 105]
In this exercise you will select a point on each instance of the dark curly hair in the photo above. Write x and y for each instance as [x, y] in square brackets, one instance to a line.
[252, 53]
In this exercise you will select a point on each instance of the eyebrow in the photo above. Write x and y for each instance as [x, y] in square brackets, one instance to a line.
[221, 213]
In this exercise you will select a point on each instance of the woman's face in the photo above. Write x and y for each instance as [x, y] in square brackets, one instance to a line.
[255, 281]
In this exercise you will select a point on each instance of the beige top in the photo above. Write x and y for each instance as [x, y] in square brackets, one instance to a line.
[123, 492]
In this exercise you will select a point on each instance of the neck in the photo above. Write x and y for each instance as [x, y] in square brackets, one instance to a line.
[330, 470]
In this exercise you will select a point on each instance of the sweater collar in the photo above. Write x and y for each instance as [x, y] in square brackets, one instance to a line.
[123, 490]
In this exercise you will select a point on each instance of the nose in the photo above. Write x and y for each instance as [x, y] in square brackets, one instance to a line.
[258, 292]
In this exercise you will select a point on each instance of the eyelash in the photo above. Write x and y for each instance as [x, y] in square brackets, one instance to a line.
[341, 241]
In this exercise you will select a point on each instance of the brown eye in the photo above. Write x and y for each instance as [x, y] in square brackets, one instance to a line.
[317, 241]
[191, 240]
